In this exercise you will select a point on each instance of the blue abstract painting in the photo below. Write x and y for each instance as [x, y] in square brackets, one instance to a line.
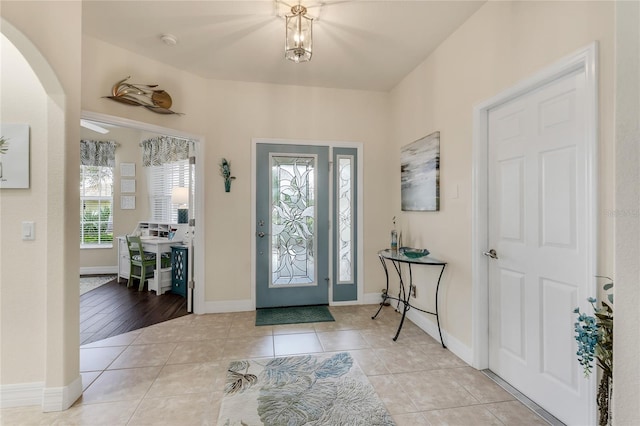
[420, 174]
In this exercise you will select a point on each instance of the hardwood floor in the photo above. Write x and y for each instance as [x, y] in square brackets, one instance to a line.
[113, 309]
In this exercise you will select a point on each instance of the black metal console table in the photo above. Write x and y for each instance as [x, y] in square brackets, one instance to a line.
[397, 259]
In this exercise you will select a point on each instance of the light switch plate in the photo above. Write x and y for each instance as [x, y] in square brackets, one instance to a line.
[28, 231]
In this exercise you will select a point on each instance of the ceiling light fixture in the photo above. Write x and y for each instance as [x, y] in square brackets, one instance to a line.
[299, 35]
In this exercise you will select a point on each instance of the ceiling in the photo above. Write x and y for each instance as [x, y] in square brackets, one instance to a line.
[365, 45]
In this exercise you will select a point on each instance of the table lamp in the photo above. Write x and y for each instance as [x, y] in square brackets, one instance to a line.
[180, 196]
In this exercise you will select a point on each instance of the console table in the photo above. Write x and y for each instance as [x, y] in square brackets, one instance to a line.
[397, 259]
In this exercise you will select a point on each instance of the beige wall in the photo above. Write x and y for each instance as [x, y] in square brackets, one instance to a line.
[56, 62]
[23, 101]
[254, 110]
[626, 374]
[503, 43]
[500, 45]
[228, 115]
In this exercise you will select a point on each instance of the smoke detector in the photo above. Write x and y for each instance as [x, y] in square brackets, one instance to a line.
[169, 39]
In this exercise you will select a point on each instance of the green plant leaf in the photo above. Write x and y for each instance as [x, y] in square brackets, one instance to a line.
[296, 403]
[336, 366]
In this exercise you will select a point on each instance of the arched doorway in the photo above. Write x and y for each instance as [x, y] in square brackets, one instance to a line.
[40, 361]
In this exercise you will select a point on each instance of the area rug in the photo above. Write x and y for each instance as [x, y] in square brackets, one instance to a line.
[293, 315]
[90, 283]
[328, 389]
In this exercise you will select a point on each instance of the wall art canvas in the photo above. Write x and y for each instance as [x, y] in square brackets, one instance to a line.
[420, 174]
[14, 155]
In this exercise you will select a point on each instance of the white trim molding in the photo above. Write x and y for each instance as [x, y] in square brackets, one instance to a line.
[221, 306]
[36, 394]
[585, 61]
[454, 345]
[99, 270]
[61, 398]
[21, 395]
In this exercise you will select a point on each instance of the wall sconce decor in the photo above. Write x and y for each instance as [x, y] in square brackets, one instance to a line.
[225, 172]
[145, 95]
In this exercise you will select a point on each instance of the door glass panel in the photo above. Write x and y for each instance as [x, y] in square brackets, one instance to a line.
[293, 217]
[345, 219]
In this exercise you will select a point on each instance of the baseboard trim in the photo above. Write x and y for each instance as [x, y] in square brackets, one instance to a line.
[21, 395]
[344, 303]
[61, 398]
[218, 307]
[372, 298]
[461, 350]
[99, 270]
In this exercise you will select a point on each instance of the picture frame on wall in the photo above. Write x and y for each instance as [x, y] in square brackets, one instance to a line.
[420, 174]
[14, 155]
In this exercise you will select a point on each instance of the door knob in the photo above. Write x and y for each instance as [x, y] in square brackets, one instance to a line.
[491, 253]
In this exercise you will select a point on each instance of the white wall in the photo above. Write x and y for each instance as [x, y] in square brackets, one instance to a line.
[502, 43]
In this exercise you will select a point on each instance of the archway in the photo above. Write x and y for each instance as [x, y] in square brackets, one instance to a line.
[48, 319]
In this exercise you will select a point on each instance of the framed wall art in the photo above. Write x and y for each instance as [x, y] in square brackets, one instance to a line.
[420, 174]
[14, 155]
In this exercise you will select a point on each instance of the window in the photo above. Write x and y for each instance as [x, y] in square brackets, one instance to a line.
[161, 180]
[96, 206]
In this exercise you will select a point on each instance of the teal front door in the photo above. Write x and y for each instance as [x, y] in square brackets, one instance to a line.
[292, 235]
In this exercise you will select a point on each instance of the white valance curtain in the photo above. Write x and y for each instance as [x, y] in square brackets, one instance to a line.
[164, 149]
[98, 153]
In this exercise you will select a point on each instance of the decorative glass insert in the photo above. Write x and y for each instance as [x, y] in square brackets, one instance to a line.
[345, 219]
[293, 217]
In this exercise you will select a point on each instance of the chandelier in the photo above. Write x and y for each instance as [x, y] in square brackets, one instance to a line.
[299, 36]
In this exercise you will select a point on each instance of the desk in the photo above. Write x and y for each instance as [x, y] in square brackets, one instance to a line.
[161, 280]
[397, 259]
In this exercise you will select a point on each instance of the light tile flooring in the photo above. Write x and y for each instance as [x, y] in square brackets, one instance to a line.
[173, 373]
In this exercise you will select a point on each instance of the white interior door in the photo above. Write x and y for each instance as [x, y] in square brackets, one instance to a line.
[538, 175]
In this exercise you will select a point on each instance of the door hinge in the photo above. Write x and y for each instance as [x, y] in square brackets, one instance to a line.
[192, 222]
[192, 160]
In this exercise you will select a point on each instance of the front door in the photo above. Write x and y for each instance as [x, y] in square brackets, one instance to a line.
[292, 237]
[538, 181]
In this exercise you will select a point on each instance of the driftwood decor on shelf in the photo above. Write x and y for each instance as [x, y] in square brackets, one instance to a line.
[144, 95]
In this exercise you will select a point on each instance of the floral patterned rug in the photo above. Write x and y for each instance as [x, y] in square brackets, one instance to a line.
[328, 389]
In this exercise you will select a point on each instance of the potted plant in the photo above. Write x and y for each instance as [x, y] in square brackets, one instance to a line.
[594, 334]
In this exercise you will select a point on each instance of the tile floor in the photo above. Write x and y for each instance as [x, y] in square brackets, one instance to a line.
[173, 373]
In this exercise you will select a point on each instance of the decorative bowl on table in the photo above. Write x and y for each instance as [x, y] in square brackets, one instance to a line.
[413, 253]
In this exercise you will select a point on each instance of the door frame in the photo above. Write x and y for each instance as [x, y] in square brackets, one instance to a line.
[359, 201]
[198, 261]
[583, 60]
